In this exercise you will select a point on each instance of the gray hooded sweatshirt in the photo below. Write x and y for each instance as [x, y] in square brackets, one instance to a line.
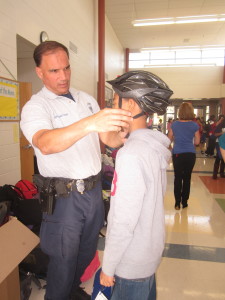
[136, 228]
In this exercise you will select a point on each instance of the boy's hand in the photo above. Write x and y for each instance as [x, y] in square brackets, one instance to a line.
[106, 280]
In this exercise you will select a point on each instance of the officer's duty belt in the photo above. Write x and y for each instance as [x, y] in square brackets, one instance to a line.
[63, 186]
[82, 185]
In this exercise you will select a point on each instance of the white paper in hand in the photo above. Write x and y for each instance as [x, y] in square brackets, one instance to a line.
[101, 296]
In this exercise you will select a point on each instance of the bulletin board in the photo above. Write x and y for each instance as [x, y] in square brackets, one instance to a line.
[9, 100]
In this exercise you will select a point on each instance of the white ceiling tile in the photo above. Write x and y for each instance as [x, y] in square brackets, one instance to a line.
[120, 14]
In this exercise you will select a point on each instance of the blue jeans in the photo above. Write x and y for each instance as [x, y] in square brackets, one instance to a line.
[134, 289]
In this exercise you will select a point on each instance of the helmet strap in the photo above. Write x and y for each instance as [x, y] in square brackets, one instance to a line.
[120, 102]
[139, 115]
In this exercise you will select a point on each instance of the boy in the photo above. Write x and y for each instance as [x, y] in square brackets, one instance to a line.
[135, 232]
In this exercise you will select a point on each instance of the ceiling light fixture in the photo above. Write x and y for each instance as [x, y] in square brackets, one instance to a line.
[179, 20]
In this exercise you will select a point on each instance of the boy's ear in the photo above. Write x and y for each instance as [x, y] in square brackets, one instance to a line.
[133, 106]
[132, 103]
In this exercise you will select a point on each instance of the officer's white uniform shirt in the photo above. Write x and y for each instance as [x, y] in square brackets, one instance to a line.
[46, 110]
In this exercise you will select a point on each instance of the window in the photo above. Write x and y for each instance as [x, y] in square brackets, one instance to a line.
[177, 57]
[170, 110]
[207, 113]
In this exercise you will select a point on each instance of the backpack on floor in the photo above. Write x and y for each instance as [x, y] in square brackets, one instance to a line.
[3, 213]
[28, 209]
[10, 197]
[27, 188]
[91, 268]
[25, 285]
[36, 263]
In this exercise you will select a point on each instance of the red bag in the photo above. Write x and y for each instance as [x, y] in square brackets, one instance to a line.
[27, 188]
[91, 269]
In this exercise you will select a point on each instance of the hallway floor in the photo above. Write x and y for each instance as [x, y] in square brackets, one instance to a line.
[193, 263]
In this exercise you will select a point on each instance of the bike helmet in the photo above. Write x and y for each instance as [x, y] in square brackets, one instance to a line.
[149, 91]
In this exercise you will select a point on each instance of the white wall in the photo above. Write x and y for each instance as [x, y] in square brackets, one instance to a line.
[114, 53]
[9, 153]
[192, 82]
[64, 21]
[26, 73]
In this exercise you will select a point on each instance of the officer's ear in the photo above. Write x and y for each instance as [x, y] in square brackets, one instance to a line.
[39, 72]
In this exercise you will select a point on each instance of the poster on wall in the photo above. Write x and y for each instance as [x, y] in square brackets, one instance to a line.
[9, 100]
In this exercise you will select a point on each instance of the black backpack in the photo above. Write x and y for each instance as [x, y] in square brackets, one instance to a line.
[28, 211]
[9, 197]
[32, 269]
[3, 213]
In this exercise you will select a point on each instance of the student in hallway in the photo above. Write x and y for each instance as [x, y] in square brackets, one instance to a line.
[135, 231]
[160, 125]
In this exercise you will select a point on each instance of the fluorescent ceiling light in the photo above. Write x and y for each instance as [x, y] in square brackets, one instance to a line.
[179, 20]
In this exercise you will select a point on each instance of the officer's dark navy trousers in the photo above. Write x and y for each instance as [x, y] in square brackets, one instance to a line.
[69, 236]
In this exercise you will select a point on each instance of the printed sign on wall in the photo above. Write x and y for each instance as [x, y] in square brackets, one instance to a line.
[9, 100]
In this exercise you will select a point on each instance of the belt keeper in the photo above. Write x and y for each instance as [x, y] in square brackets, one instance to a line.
[70, 184]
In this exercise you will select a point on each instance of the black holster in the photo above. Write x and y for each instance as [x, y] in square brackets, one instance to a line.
[47, 192]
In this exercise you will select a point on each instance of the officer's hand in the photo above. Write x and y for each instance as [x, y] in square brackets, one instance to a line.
[110, 119]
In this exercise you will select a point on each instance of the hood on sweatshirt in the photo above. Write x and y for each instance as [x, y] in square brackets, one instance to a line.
[156, 140]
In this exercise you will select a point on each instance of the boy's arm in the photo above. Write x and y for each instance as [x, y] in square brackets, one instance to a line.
[128, 192]
[197, 138]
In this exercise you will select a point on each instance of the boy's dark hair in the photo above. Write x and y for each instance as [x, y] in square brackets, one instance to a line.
[47, 47]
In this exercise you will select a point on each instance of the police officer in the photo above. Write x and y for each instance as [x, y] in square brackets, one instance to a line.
[64, 126]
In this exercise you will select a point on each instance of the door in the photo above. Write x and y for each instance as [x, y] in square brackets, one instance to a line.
[26, 151]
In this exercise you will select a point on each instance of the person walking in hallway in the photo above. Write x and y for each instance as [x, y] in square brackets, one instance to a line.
[219, 163]
[64, 126]
[182, 133]
[211, 137]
